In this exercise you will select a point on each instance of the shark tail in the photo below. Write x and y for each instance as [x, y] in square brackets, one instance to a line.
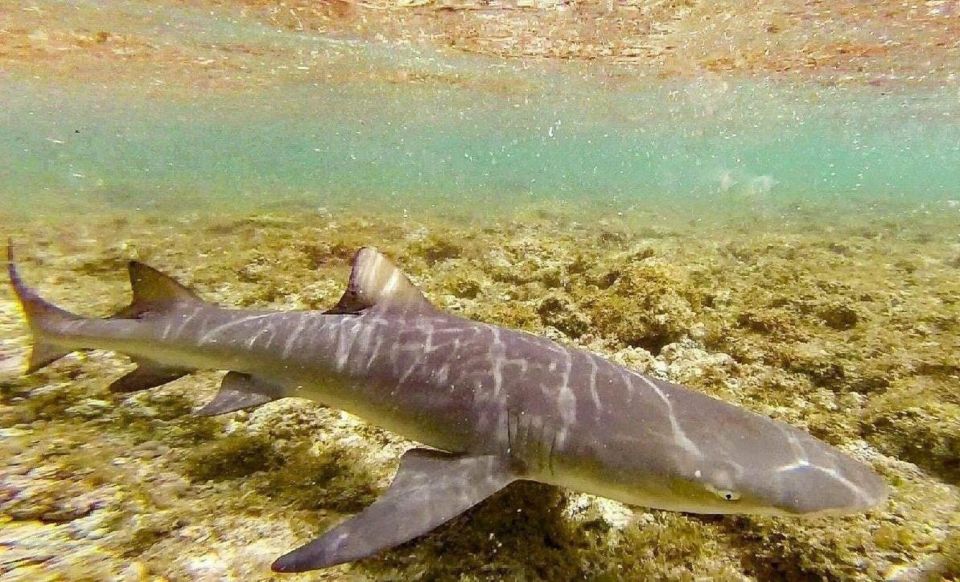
[153, 292]
[43, 318]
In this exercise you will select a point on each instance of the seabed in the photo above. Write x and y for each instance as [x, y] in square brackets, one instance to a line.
[848, 330]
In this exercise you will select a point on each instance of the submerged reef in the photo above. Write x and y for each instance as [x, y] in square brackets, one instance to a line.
[848, 328]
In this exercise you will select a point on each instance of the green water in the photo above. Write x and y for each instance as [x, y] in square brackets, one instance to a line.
[461, 131]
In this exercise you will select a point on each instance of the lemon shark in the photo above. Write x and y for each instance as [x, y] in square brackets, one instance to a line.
[493, 405]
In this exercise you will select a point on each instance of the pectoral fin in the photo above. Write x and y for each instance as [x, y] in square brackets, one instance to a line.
[430, 488]
[239, 391]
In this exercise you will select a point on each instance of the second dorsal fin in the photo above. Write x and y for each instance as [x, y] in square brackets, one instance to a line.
[153, 291]
[373, 280]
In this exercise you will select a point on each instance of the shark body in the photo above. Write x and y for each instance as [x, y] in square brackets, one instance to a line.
[495, 405]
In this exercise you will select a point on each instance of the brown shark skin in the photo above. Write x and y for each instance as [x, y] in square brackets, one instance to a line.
[551, 413]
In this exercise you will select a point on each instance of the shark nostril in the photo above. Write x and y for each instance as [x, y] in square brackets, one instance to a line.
[722, 493]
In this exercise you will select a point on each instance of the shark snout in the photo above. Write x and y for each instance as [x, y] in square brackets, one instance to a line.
[812, 489]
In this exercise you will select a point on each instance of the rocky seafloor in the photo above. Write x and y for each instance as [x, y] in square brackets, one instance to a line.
[844, 324]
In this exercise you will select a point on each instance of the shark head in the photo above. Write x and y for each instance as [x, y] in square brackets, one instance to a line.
[750, 464]
[822, 482]
[684, 451]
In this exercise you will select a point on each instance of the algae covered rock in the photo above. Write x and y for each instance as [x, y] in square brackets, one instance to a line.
[464, 286]
[777, 322]
[645, 305]
[560, 312]
[918, 419]
[840, 316]
[435, 249]
[233, 456]
[313, 477]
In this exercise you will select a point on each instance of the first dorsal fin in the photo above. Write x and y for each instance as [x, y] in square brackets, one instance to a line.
[373, 280]
[152, 291]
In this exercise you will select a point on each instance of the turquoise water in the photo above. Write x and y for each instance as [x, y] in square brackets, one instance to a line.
[405, 127]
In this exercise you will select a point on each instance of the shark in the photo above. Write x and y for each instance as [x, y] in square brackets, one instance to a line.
[488, 406]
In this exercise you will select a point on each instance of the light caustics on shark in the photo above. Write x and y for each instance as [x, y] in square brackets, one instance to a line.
[496, 405]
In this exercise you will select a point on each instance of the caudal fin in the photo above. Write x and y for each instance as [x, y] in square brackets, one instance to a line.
[43, 318]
